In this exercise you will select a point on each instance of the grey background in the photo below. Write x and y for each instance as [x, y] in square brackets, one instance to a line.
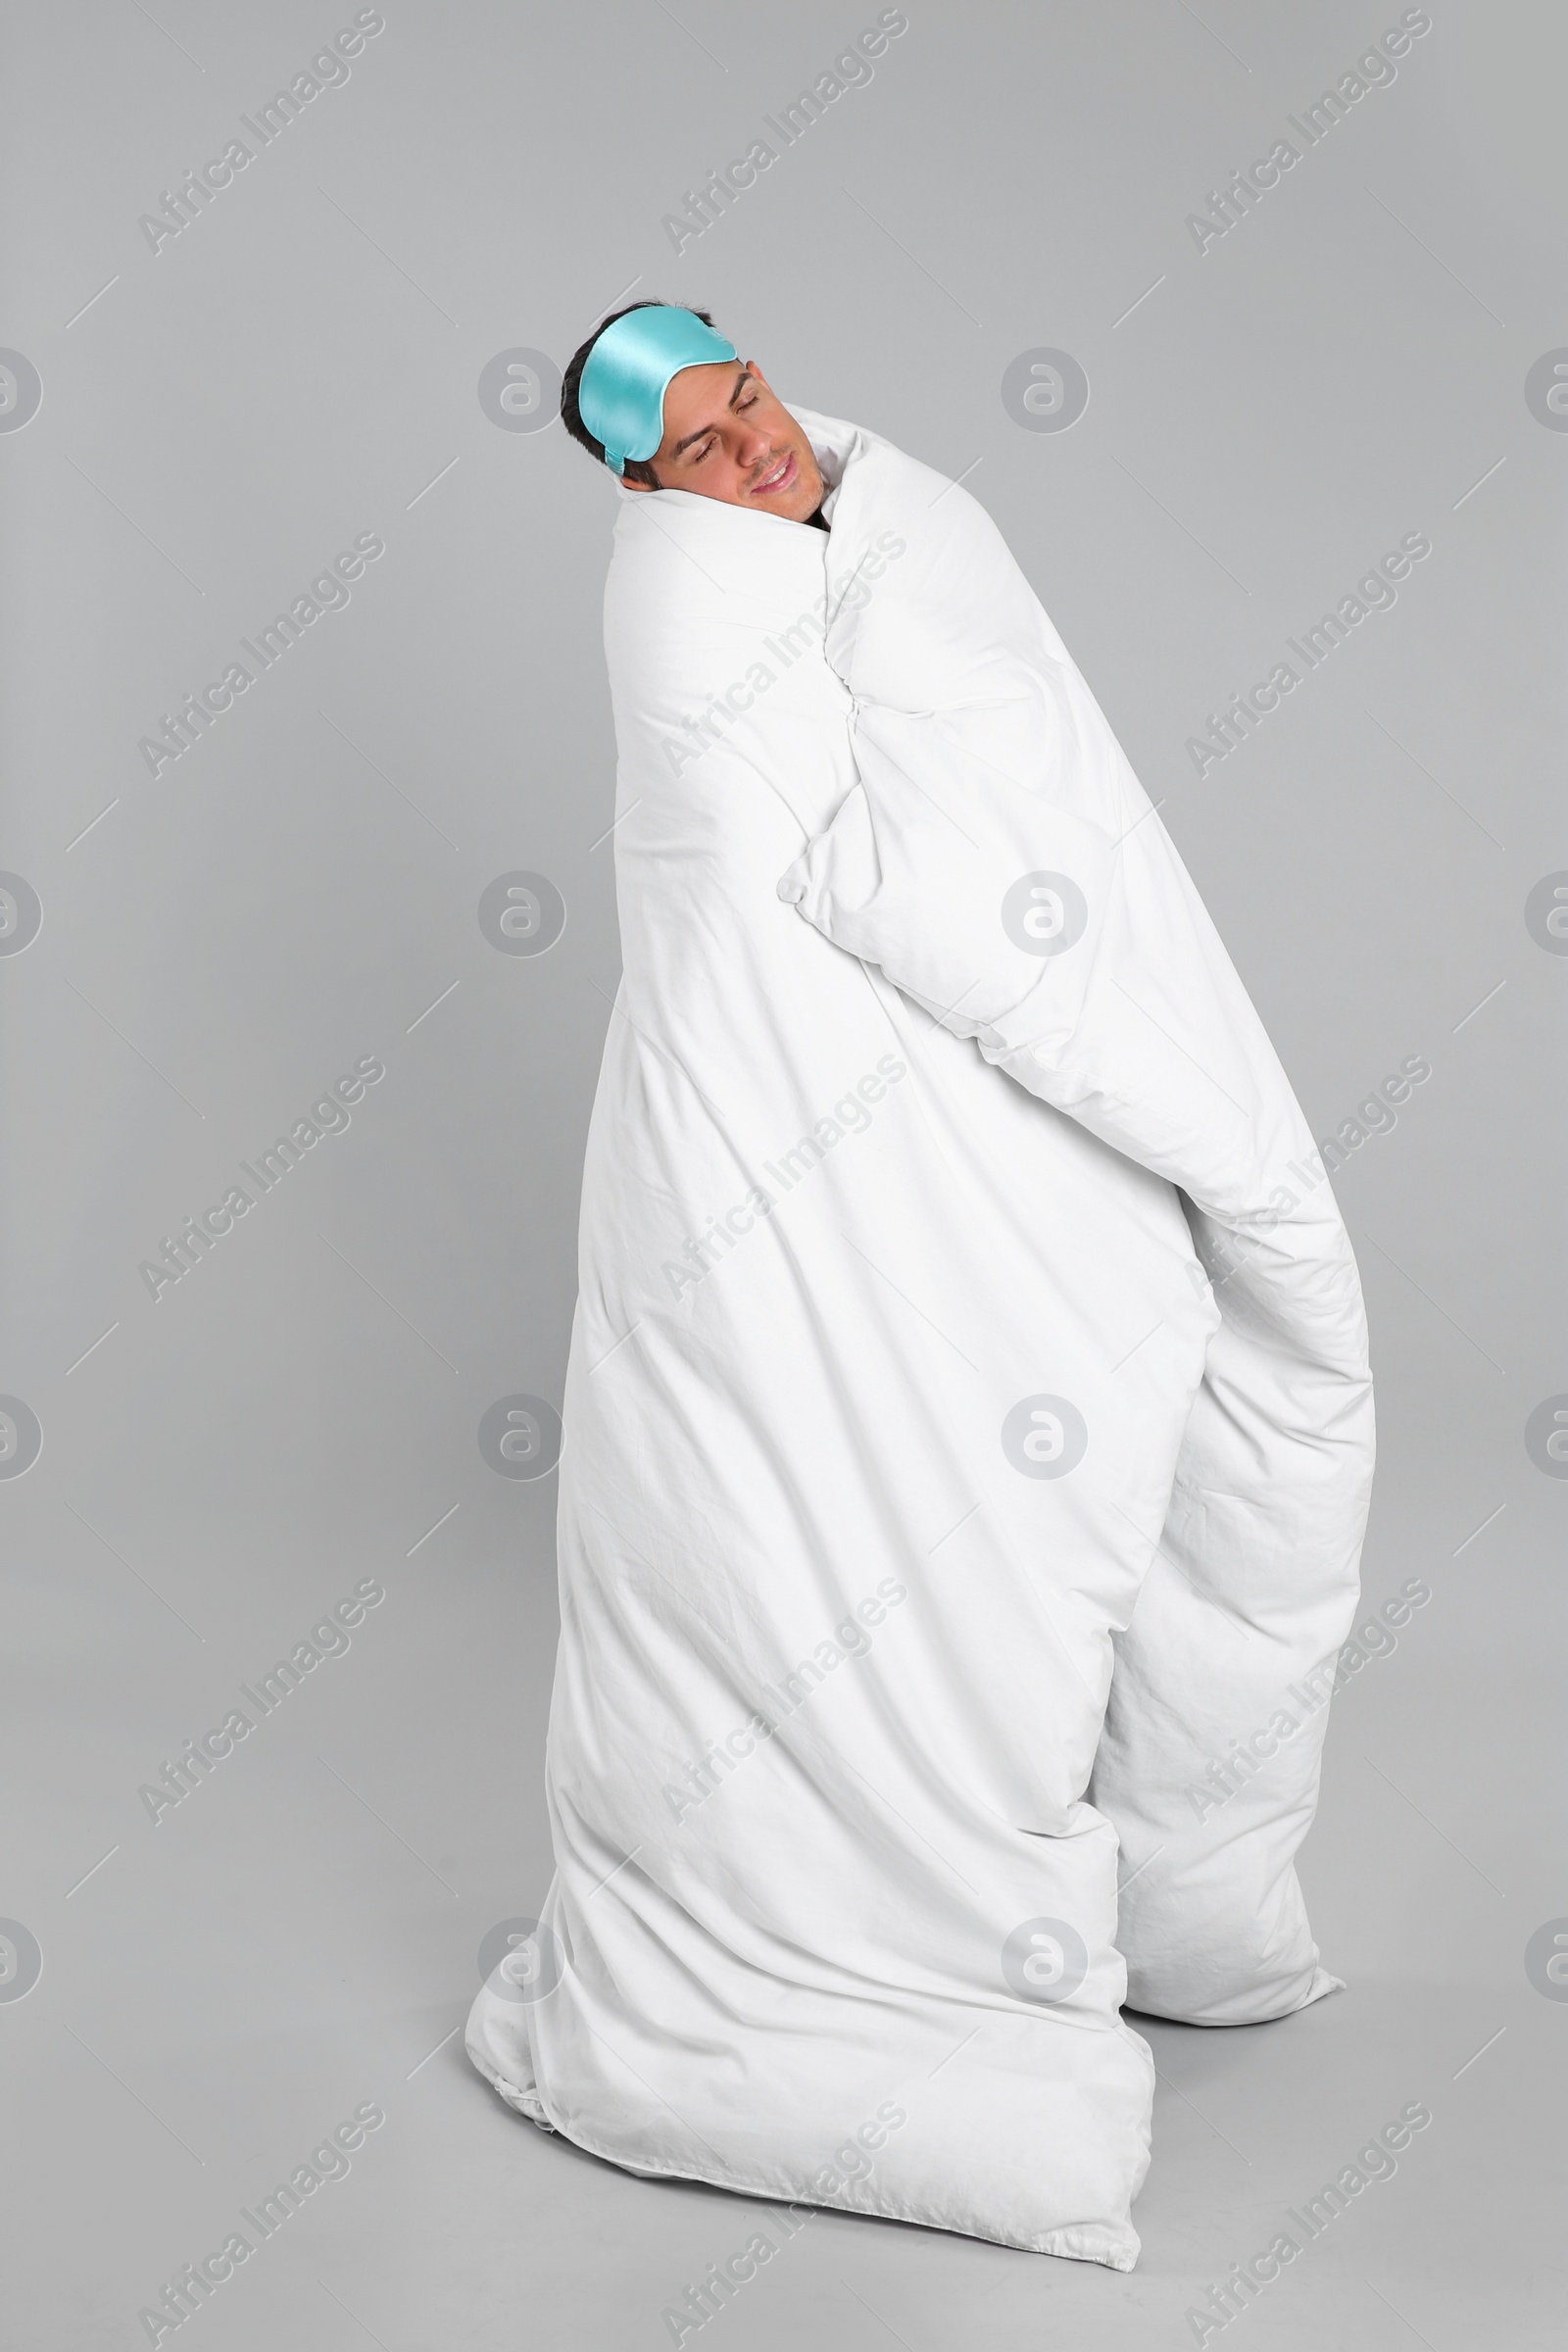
[218, 1468]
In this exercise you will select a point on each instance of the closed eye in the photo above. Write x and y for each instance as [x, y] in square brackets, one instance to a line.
[750, 401]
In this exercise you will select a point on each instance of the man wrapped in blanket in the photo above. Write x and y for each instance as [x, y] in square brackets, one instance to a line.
[969, 1425]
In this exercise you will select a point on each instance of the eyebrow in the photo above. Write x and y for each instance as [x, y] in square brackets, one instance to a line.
[702, 433]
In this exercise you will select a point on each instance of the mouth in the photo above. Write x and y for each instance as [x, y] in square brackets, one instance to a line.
[781, 477]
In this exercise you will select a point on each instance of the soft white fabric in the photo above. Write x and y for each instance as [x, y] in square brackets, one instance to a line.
[865, 1701]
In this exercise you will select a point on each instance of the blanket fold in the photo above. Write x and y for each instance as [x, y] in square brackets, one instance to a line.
[968, 1420]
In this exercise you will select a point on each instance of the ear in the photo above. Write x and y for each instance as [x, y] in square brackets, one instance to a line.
[627, 483]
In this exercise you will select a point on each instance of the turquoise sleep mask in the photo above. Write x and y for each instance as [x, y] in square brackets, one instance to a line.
[621, 395]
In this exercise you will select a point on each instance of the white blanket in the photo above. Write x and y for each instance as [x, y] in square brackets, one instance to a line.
[968, 1427]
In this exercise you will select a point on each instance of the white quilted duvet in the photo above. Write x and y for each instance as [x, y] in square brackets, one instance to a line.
[968, 1427]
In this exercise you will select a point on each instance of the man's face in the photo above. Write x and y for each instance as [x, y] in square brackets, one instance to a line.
[727, 436]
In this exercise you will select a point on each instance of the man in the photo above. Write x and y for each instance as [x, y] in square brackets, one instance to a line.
[725, 433]
[968, 1421]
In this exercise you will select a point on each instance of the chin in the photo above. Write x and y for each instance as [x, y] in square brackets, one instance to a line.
[811, 489]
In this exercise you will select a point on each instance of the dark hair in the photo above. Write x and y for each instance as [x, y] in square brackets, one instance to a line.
[637, 469]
